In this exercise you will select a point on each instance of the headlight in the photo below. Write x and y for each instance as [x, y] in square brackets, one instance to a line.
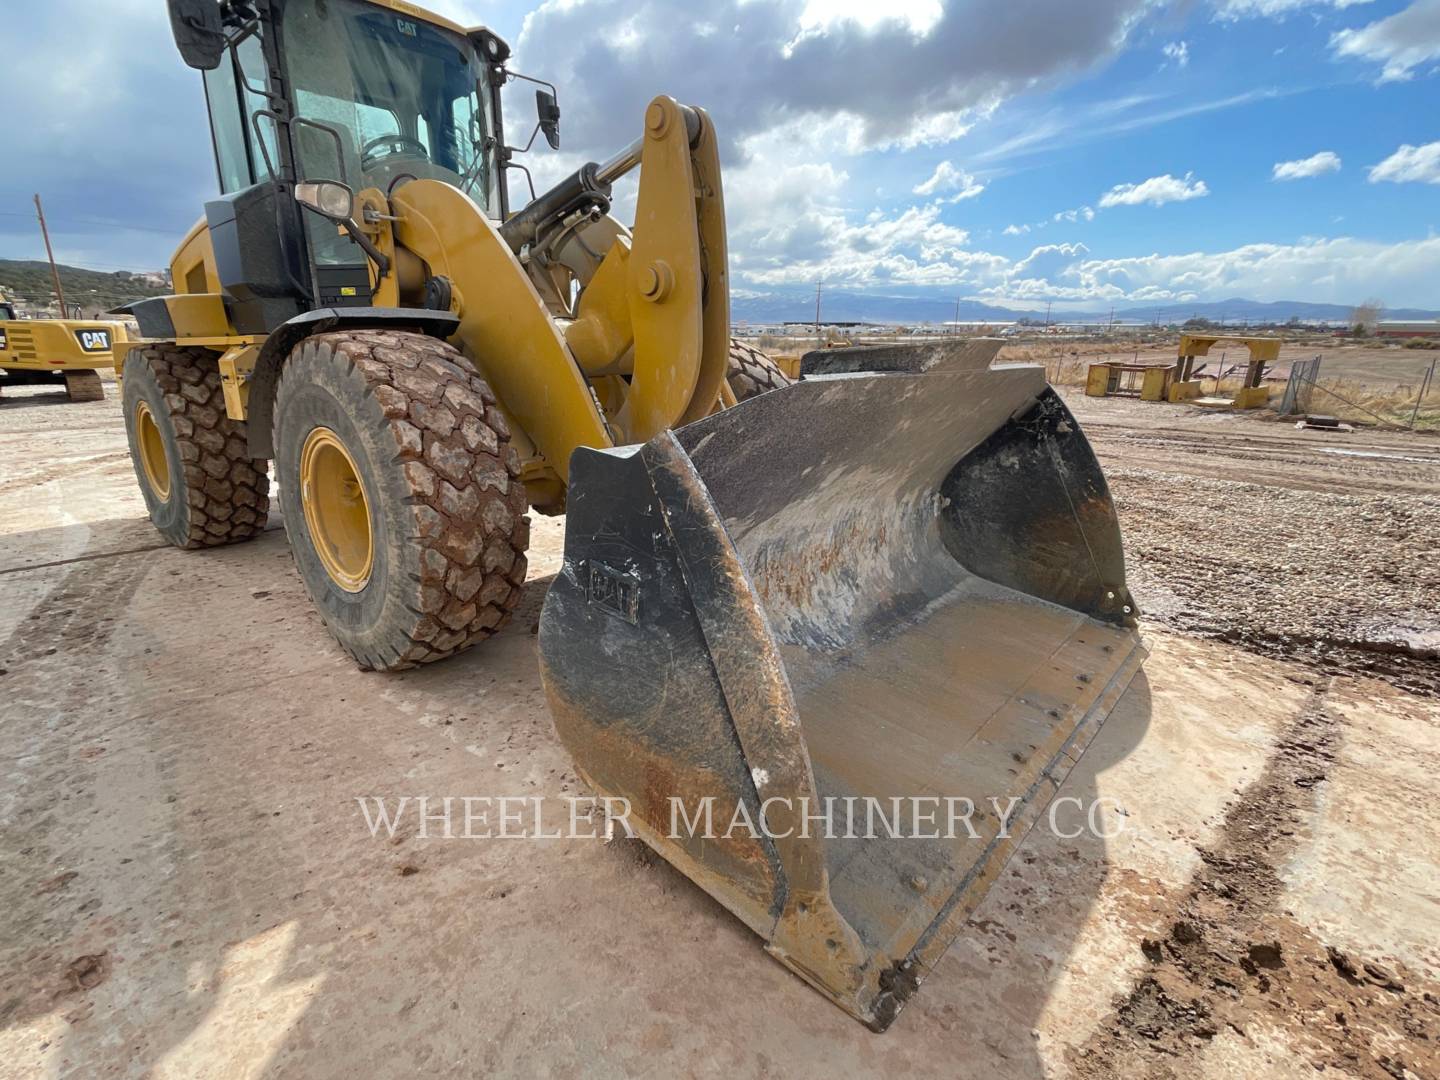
[327, 197]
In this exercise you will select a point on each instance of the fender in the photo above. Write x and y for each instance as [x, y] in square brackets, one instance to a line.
[284, 338]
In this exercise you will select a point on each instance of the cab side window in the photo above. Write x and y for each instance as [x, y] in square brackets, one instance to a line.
[233, 94]
[228, 124]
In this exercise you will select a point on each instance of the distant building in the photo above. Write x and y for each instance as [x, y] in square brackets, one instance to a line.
[1426, 328]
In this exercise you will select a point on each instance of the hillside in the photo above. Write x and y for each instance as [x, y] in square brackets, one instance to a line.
[93, 290]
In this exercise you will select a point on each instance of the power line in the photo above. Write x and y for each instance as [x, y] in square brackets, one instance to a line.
[107, 224]
[132, 228]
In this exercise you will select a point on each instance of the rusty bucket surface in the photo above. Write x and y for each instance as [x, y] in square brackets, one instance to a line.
[800, 636]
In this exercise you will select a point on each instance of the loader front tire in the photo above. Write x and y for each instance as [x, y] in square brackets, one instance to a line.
[201, 486]
[752, 373]
[401, 495]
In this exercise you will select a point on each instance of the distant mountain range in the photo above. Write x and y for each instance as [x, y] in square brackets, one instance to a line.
[841, 306]
[100, 290]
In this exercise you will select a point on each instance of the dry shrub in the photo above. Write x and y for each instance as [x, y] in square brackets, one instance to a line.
[1362, 403]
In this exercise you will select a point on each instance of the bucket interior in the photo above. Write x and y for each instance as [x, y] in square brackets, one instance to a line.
[936, 578]
[975, 700]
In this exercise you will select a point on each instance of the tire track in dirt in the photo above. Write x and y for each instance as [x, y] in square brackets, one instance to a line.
[79, 613]
[1235, 961]
[55, 472]
[51, 663]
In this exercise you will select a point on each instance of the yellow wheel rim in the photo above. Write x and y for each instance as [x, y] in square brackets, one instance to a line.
[152, 452]
[337, 512]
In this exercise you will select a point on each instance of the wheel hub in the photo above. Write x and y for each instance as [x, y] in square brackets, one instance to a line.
[337, 511]
[152, 452]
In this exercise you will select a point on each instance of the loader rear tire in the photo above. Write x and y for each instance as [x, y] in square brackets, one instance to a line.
[401, 495]
[752, 373]
[84, 385]
[201, 486]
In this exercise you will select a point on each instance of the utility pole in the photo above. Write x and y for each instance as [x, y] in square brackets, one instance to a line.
[957, 314]
[1047, 314]
[54, 273]
[817, 307]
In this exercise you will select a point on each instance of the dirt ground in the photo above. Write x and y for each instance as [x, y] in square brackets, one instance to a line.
[1309, 545]
[188, 887]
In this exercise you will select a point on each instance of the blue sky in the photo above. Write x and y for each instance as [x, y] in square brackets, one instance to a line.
[1026, 152]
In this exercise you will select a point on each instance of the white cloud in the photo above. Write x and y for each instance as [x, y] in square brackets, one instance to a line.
[790, 223]
[908, 74]
[1157, 191]
[805, 241]
[791, 227]
[1402, 42]
[918, 16]
[947, 178]
[1177, 52]
[1304, 168]
[1085, 213]
[1324, 270]
[1410, 164]
[1335, 270]
[913, 247]
[1242, 9]
[1048, 261]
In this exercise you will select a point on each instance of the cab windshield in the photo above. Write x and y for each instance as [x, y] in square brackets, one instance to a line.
[7, 313]
[397, 98]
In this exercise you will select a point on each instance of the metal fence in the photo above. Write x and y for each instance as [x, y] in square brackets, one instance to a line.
[1426, 385]
[1300, 388]
[1304, 381]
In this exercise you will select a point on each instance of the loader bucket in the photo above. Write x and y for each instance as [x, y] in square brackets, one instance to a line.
[797, 636]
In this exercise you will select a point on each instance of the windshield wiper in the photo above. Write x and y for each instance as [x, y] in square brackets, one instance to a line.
[472, 171]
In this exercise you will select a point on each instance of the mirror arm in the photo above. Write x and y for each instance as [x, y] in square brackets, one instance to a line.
[530, 78]
[508, 164]
[529, 143]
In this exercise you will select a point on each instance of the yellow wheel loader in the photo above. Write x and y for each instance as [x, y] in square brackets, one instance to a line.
[56, 352]
[900, 576]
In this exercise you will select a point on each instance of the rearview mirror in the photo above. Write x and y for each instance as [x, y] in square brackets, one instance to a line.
[199, 33]
[549, 112]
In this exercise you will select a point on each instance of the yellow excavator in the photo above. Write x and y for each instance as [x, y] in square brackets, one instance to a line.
[56, 352]
[899, 576]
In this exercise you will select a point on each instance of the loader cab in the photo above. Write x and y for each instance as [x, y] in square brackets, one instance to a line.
[367, 93]
[7, 311]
